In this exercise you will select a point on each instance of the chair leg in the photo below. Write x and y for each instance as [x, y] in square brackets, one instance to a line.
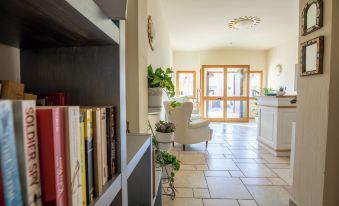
[206, 144]
[183, 147]
[173, 143]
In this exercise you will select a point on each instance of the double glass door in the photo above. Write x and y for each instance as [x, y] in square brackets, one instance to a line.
[225, 94]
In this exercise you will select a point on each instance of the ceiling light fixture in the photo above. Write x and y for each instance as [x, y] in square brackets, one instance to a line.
[244, 22]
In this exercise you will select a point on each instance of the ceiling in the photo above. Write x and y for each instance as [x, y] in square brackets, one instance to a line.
[203, 24]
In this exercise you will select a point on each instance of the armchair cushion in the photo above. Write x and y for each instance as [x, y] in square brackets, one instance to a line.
[198, 124]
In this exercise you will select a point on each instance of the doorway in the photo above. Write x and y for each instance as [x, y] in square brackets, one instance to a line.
[225, 93]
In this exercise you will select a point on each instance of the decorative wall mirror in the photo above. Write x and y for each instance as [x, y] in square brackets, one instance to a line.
[312, 16]
[311, 60]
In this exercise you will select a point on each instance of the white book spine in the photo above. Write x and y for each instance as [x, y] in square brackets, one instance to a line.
[104, 147]
[73, 154]
[98, 143]
[28, 151]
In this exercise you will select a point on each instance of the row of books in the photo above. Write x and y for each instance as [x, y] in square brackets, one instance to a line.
[55, 155]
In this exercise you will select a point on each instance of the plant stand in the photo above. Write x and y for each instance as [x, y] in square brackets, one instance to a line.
[168, 191]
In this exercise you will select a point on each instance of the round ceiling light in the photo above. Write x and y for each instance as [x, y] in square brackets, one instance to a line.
[244, 22]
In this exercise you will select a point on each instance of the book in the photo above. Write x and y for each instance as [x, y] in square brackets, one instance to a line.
[104, 146]
[114, 142]
[51, 136]
[89, 154]
[28, 96]
[73, 155]
[97, 151]
[8, 157]
[11, 90]
[109, 111]
[83, 158]
[27, 151]
[56, 99]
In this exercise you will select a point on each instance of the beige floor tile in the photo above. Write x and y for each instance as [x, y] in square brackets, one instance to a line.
[278, 166]
[277, 181]
[256, 170]
[256, 181]
[236, 174]
[217, 174]
[231, 188]
[244, 161]
[187, 167]
[218, 150]
[247, 203]
[284, 174]
[260, 160]
[222, 164]
[270, 195]
[201, 193]
[244, 154]
[215, 156]
[184, 192]
[220, 202]
[201, 167]
[166, 201]
[191, 159]
[272, 159]
[191, 179]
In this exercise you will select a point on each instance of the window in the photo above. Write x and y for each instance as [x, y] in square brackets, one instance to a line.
[185, 84]
[255, 90]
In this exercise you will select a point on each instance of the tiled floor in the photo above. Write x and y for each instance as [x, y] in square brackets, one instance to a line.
[233, 171]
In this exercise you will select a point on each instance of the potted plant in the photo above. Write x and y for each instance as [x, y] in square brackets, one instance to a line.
[159, 80]
[282, 91]
[164, 134]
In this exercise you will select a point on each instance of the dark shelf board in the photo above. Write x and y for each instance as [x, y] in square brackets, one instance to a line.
[46, 24]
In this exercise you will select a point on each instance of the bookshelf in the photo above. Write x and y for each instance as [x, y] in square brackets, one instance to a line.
[72, 46]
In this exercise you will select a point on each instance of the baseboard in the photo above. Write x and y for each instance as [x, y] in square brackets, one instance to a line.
[292, 203]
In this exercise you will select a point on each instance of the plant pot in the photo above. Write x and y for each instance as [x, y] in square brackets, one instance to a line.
[281, 93]
[164, 140]
[155, 97]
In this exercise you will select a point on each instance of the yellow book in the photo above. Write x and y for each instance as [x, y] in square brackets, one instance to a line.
[83, 158]
[89, 154]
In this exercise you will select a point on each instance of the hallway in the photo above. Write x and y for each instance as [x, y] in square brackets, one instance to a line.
[232, 171]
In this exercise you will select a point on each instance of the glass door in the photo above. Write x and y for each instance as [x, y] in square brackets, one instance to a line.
[225, 93]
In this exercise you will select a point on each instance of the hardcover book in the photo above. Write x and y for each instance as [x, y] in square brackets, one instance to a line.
[104, 146]
[109, 111]
[114, 142]
[51, 136]
[83, 159]
[97, 151]
[11, 90]
[89, 154]
[2, 196]
[8, 157]
[73, 156]
[27, 151]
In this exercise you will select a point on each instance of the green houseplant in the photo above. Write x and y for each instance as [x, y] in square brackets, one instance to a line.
[164, 134]
[159, 80]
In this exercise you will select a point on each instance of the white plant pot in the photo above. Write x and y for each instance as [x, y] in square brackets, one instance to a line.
[281, 93]
[164, 140]
[155, 97]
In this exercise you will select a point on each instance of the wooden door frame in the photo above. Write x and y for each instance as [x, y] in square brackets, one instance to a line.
[225, 97]
[177, 73]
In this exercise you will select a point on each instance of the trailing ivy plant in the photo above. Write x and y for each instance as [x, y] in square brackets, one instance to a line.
[160, 78]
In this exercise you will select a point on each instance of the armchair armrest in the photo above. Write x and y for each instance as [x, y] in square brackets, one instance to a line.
[198, 124]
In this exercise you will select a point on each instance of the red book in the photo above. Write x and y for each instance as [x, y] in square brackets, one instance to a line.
[51, 135]
[2, 195]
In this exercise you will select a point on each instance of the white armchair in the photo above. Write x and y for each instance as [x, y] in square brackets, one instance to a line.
[187, 131]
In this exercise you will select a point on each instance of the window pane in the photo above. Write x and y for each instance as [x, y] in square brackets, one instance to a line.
[236, 109]
[237, 82]
[214, 82]
[186, 84]
[255, 84]
[253, 108]
[214, 109]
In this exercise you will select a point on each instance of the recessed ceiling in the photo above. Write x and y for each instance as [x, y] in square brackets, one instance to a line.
[204, 24]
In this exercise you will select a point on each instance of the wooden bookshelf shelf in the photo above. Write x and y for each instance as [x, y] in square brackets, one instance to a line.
[158, 174]
[50, 23]
[137, 145]
[111, 190]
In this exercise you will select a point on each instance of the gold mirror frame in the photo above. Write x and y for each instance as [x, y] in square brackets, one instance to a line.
[319, 20]
[319, 41]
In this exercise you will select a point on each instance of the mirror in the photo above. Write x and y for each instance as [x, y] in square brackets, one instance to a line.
[312, 57]
[312, 16]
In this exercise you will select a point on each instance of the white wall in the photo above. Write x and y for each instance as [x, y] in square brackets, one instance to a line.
[187, 60]
[286, 55]
[9, 63]
[139, 56]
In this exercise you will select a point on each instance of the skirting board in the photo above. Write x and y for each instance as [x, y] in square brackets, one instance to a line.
[276, 152]
[292, 203]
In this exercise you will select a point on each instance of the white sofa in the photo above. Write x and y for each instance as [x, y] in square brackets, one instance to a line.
[187, 131]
